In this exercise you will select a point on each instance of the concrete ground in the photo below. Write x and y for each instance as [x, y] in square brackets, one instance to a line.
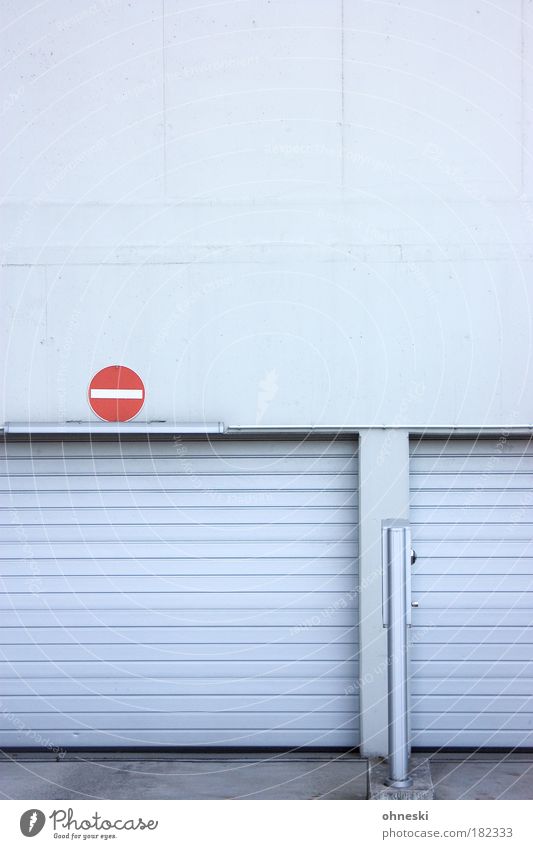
[274, 776]
[482, 776]
[184, 777]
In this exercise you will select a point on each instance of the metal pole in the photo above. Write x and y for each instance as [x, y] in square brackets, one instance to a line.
[396, 537]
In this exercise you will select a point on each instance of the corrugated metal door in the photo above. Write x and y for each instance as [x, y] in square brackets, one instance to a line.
[179, 593]
[472, 651]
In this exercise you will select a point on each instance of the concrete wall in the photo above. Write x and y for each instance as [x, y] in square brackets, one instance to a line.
[285, 212]
[280, 212]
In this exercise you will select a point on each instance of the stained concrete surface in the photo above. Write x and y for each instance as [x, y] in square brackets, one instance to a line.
[250, 776]
[180, 778]
[483, 776]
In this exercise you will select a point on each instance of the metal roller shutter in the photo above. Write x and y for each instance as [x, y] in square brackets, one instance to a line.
[179, 593]
[472, 640]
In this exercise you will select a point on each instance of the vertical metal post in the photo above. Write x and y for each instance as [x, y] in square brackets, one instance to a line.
[396, 539]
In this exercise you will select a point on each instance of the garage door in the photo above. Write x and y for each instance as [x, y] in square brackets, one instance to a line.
[472, 652]
[179, 593]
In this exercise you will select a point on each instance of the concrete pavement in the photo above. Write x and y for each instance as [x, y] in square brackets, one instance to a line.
[185, 777]
[482, 776]
[248, 776]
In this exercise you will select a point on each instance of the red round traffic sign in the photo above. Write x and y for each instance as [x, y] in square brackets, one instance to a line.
[116, 394]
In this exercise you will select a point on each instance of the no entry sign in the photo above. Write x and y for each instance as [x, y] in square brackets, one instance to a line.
[116, 394]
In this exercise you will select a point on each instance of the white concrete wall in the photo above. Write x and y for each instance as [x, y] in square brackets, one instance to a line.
[330, 200]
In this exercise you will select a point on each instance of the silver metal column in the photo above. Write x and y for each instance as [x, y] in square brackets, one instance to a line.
[396, 539]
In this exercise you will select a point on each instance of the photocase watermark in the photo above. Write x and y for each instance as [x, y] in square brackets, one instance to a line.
[66, 824]
[89, 11]
[268, 389]
[360, 229]
[377, 671]
[486, 479]
[73, 164]
[66, 820]
[32, 736]
[67, 346]
[436, 155]
[416, 391]
[25, 552]
[32, 822]
[51, 184]
[354, 157]
[527, 208]
[184, 305]
[10, 100]
[187, 72]
[220, 497]
[491, 463]
[343, 602]
[526, 501]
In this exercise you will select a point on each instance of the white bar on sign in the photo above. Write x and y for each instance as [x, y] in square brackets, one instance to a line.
[116, 393]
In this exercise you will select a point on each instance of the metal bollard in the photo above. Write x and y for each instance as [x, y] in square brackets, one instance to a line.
[397, 559]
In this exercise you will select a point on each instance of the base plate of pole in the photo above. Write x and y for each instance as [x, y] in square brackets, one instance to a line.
[400, 785]
[419, 776]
